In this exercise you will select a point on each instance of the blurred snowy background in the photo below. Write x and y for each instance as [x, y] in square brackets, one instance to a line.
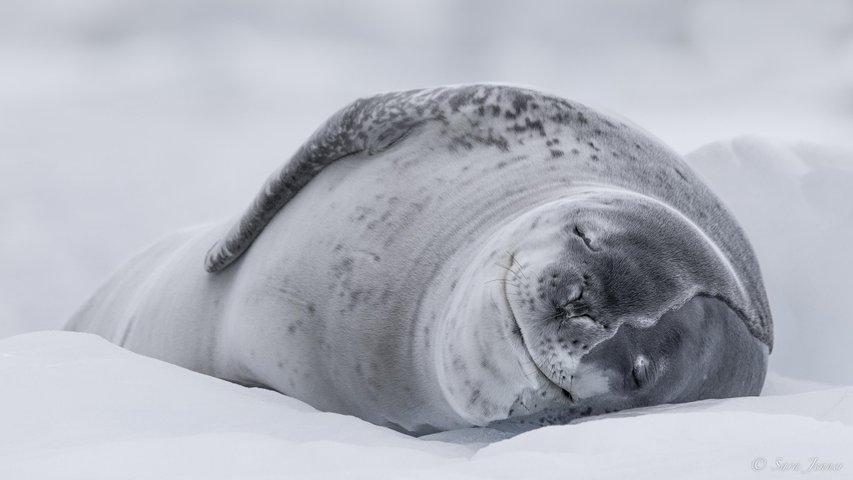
[121, 120]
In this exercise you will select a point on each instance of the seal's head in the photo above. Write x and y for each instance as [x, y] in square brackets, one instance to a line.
[598, 302]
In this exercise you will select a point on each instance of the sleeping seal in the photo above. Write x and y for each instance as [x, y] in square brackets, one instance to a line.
[458, 256]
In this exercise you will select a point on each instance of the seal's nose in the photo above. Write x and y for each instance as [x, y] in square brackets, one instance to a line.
[571, 309]
[569, 294]
[566, 306]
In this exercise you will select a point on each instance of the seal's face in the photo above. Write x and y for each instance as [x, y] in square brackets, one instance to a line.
[700, 350]
[609, 299]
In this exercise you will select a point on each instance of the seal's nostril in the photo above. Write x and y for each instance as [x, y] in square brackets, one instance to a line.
[572, 309]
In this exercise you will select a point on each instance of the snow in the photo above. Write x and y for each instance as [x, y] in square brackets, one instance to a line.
[123, 120]
[795, 202]
[77, 407]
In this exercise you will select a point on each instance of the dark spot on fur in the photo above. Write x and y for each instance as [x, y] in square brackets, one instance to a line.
[520, 102]
[516, 330]
[460, 141]
[535, 125]
[556, 153]
[456, 101]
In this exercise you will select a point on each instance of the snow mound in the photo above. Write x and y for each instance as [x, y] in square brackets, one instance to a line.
[76, 406]
[795, 202]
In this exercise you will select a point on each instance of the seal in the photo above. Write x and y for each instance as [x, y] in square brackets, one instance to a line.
[460, 256]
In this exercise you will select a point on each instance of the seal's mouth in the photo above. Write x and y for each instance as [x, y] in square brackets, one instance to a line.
[516, 330]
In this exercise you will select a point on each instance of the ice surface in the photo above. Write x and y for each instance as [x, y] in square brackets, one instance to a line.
[77, 407]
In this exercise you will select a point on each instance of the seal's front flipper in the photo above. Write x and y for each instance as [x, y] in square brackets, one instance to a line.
[369, 125]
